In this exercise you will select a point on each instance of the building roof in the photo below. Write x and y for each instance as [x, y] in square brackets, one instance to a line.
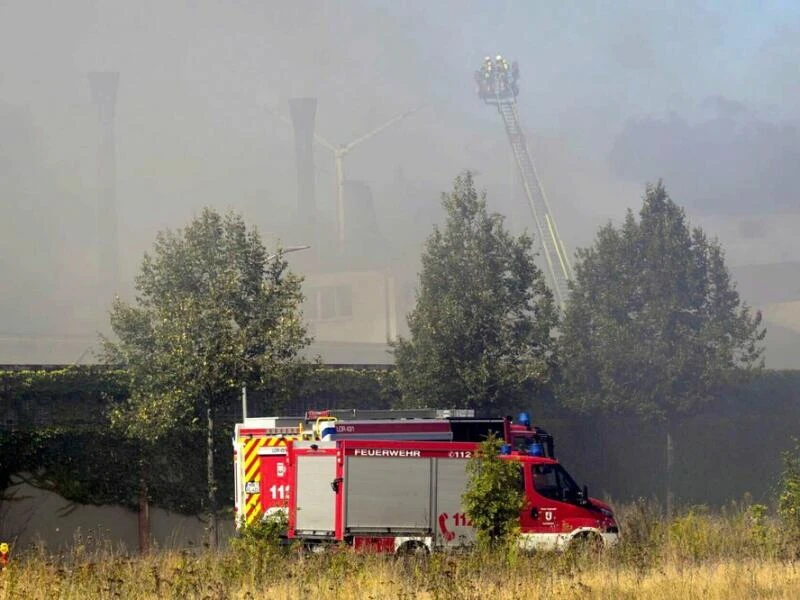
[51, 350]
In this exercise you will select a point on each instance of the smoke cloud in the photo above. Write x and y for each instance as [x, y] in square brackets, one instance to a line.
[731, 163]
[610, 97]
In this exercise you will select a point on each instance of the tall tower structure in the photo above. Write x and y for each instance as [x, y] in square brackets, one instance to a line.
[104, 86]
[303, 112]
[362, 235]
[303, 122]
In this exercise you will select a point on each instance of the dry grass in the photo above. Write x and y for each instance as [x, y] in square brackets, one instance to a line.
[176, 576]
[736, 554]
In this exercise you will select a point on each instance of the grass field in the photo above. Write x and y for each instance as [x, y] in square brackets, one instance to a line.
[736, 553]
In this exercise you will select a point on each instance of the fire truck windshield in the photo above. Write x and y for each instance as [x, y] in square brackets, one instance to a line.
[526, 443]
[553, 481]
[523, 442]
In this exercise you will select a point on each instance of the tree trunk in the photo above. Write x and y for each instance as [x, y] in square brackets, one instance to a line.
[670, 462]
[144, 511]
[210, 479]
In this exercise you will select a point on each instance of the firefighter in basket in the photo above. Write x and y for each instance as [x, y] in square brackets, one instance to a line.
[503, 72]
[484, 78]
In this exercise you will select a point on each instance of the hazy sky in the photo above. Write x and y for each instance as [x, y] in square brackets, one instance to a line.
[606, 88]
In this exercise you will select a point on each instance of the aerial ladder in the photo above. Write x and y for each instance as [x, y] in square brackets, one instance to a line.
[497, 86]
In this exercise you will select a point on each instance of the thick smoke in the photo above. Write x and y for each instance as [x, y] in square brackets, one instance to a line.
[193, 124]
[733, 162]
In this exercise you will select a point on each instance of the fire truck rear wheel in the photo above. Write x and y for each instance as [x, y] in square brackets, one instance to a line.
[412, 548]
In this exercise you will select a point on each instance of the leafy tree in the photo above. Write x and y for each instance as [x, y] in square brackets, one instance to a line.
[213, 312]
[495, 494]
[654, 324]
[481, 332]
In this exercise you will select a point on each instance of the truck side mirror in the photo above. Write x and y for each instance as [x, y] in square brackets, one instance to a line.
[335, 485]
[585, 495]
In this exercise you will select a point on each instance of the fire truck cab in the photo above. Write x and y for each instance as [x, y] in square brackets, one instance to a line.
[401, 496]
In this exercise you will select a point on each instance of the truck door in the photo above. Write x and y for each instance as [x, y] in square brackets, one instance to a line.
[552, 496]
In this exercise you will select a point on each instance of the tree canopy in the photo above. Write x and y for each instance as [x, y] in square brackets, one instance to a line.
[213, 312]
[481, 331]
[654, 324]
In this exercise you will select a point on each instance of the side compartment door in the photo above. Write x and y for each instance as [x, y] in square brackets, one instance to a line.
[451, 526]
[315, 499]
[388, 495]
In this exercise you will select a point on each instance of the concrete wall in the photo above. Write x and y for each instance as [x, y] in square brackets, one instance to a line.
[29, 516]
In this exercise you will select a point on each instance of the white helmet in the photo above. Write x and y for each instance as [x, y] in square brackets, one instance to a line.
[499, 58]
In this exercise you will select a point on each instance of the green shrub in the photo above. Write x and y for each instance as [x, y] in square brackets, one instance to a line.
[740, 530]
[494, 495]
[258, 549]
[789, 498]
[695, 536]
[759, 528]
[644, 531]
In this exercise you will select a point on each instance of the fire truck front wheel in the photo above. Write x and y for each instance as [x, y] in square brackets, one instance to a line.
[586, 542]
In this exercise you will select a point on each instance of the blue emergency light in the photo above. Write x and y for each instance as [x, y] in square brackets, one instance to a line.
[535, 449]
[505, 449]
[524, 419]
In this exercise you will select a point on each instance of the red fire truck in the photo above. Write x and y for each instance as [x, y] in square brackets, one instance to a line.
[260, 455]
[402, 496]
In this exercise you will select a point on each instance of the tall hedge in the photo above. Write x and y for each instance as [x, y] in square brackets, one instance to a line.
[55, 433]
[54, 430]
